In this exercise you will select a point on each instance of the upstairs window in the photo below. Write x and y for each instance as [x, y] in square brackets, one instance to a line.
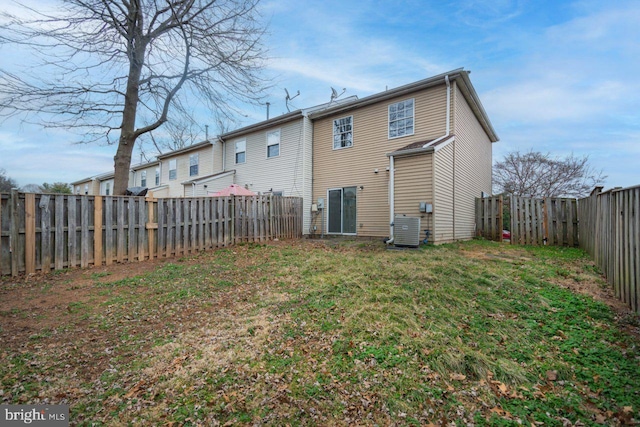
[241, 151]
[343, 133]
[157, 176]
[401, 119]
[173, 169]
[143, 178]
[273, 144]
[193, 164]
[107, 188]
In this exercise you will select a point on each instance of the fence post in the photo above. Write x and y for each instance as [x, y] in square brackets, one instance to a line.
[151, 225]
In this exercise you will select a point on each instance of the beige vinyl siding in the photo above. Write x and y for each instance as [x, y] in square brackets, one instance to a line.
[473, 163]
[354, 166]
[205, 167]
[289, 172]
[414, 184]
[443, 205]
[93, 187]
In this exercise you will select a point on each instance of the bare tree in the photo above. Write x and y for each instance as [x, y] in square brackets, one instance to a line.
[116, 69]
[534, 174]
[6, 183]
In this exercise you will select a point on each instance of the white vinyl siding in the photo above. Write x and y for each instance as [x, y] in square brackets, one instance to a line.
[241, 151]
[290, 172]
[209, 162]
[401, 118]
[343, 133]
[273, 143]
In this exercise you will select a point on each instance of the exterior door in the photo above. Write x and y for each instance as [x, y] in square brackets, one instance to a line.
[341, 216]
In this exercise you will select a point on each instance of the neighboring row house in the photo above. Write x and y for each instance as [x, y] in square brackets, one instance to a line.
[356, 163]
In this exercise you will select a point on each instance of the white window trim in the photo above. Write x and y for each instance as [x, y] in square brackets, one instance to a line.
[236, 152]
[333, 134]
[413, 117]
[197, 157]
[176, 169]
[278, 144]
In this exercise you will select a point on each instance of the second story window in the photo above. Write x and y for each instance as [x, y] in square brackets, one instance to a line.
[173, 169]
[273, 143]
[143, 178]
[107, 188]
[401, 119]
[157, 176]
[241, 151]
[343, 133]
[193, 164]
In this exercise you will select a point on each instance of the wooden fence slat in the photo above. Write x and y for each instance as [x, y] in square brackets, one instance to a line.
[72, 232]
[84, 232]
[120, 223]
[45, 233]
[108, 231]
[131, 228]
[59, 232]
[30, 233]
[97, 230]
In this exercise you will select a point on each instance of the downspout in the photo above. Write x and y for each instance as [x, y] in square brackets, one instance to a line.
[224, 157]
[391, 199]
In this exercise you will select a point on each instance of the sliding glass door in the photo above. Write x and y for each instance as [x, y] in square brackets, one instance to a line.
[342, 210]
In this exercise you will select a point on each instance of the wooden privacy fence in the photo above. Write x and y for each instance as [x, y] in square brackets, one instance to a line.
[551, 221]
[41, 232]
[610, 233]
[489, 217]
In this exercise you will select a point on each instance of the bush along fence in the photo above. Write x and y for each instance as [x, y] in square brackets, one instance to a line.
[43, 232]
[610, 233]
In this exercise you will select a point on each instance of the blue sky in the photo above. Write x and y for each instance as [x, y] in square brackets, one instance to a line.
[555, 76]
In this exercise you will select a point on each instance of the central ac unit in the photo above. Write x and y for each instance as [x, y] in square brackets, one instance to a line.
[406, 231]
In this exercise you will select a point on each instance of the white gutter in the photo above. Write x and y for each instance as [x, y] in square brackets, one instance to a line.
[391, 162]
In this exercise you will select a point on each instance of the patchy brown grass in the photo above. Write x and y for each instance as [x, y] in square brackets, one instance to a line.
[329, 333]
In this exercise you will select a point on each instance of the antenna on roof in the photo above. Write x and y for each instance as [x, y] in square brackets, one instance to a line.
[335, 95]
[289, 98]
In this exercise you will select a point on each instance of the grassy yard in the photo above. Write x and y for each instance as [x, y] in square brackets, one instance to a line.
[336, 333]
